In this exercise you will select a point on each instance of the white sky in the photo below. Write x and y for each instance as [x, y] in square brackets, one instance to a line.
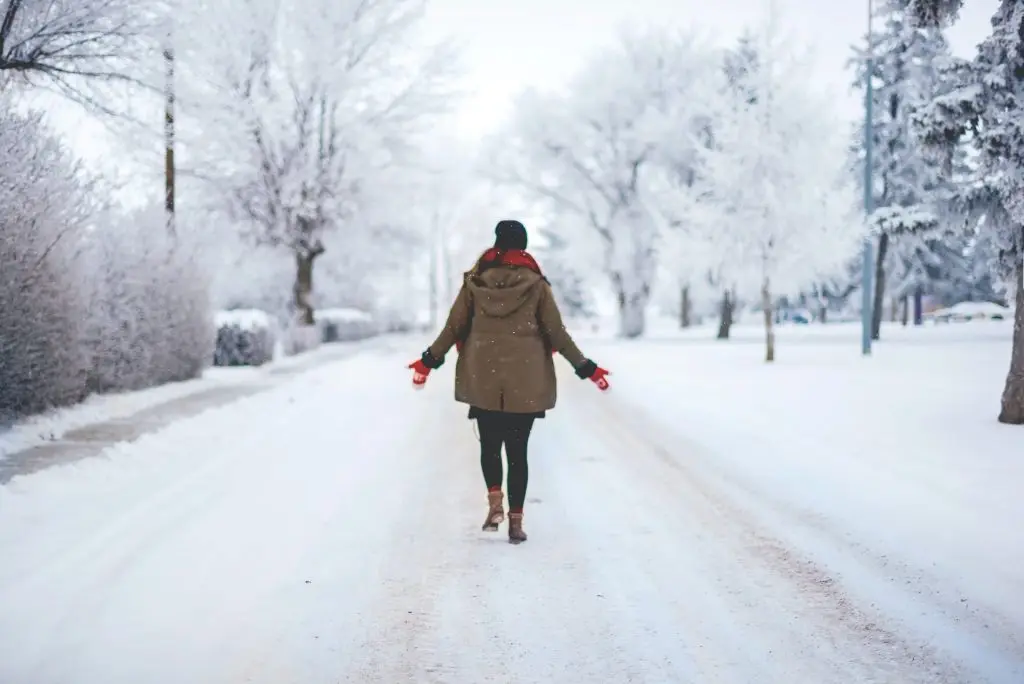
[513, 44]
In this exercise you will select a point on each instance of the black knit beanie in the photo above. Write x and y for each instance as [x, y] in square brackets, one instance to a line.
[510, 235]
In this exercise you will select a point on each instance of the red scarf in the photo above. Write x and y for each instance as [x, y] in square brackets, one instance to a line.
[511, 257]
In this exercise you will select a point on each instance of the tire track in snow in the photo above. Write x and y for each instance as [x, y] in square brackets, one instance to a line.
[978, 633]
[864, 642]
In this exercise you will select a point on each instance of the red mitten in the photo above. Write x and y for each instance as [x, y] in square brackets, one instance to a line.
[419, 373]
[600, 378]
[458, 346]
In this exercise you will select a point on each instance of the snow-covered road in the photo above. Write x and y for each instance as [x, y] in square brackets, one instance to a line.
[328, 531]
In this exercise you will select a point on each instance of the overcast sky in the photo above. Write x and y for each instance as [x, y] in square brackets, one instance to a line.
[512, 44]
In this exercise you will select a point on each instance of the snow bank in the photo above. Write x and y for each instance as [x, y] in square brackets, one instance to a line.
[53, 424]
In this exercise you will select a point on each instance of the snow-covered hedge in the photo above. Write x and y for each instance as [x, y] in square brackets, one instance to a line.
[41, 307]
[150, 315]
[88, 303]
[345, 325]
[245, 337]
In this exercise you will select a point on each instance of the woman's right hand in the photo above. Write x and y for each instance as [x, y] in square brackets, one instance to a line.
[600, 378]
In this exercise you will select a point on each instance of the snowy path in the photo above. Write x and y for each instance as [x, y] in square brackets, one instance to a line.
[327, 531]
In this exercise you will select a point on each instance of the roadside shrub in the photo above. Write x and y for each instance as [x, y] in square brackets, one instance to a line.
[150, 317]
[245, 337]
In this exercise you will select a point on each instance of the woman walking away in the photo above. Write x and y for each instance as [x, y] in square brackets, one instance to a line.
[506, 326]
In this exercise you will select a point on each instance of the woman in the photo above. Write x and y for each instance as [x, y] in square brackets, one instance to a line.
[507, 327]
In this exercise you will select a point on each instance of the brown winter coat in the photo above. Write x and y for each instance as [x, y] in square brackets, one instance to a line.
[508, 323]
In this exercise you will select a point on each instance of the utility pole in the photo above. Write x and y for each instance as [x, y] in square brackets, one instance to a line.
[867, 299]
[169, 132]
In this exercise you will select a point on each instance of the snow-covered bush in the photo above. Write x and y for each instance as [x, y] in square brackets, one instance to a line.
[42, 208]
[150, 320]
[345, 325]
[245, 337]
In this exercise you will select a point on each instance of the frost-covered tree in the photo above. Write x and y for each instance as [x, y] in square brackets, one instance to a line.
[988, 105]
[588, 149]
[773, 192]
[911, 192]
[299, 109]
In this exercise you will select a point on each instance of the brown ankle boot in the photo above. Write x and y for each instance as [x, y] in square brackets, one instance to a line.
[495, 512]
[515, 528]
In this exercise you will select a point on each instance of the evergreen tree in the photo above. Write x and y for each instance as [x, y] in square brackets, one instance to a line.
[910, 187]
[988, 106]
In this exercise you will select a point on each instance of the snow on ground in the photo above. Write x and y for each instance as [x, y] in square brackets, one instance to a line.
[829, 519]
[897, 457]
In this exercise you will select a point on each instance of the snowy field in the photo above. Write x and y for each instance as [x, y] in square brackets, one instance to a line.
[826, 520]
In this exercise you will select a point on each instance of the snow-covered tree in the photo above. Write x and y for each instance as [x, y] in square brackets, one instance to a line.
[588, 148]
[933, 13]
[988, 105]
[773, 191]
[303, 112]
[910, 192]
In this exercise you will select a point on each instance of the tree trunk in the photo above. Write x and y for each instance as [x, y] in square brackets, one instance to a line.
[894, 309]
[876, 314]
[769, 330]
[1012, 411]
[919, 306]
[632, 317]
[905, 311]
[303, 291]
[169, 138]
[823, 313]
[684, 307]
[725, 316]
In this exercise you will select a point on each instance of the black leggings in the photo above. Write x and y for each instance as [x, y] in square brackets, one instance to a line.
[512, 430]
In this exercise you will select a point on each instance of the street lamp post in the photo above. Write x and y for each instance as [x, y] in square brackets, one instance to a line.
[865, 283]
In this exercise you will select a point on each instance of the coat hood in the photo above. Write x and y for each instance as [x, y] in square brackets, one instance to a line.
[502, 290]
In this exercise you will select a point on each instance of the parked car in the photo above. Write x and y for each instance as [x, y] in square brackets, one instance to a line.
[970, 311]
